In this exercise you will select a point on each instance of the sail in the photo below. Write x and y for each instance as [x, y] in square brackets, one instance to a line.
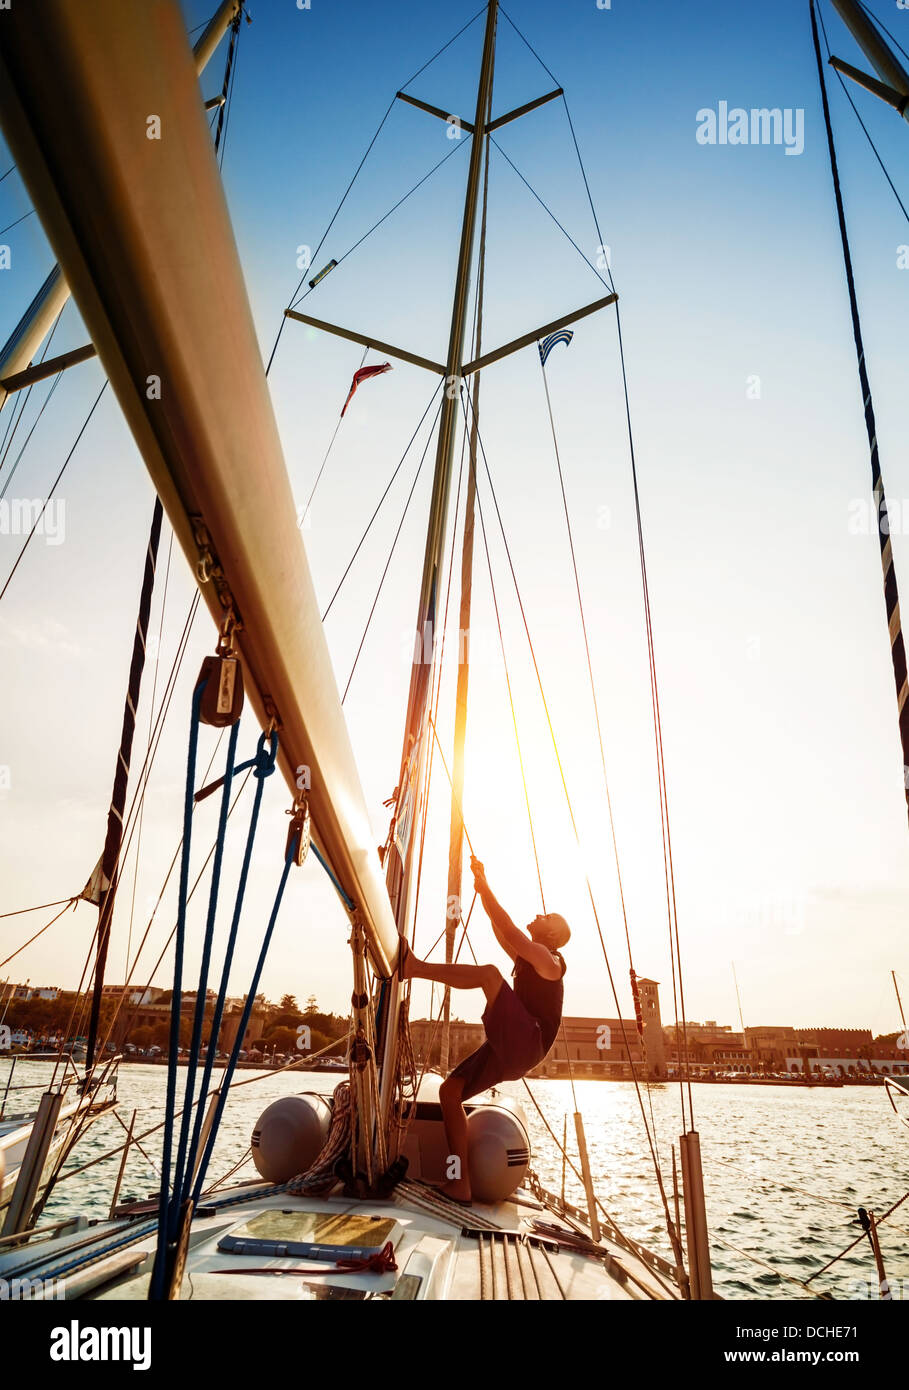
[91, 106]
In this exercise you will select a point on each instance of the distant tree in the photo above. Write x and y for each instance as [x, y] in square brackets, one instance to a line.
[281, 1039]
[142, 1037]
[288, 1004]
[312, 1004]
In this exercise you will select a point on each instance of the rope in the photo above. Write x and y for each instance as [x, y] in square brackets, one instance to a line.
[780, 1274]
[174, 1196]
[113, 839]
[262, 766]
[70, 902]
[879, 1220]
[891, 593]
[39, 907]
[151, 721]
[320, 1177]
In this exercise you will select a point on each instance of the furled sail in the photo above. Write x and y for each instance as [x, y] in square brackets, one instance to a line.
[100, 106]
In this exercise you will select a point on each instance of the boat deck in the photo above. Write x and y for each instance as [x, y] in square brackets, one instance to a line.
[442, 1252]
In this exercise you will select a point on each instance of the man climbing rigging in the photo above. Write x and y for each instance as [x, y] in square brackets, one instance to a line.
[521, 1022]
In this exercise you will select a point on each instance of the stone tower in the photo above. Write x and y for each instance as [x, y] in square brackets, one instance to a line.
[654, 1048]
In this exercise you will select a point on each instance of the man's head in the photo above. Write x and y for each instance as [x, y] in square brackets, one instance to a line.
[551, 931]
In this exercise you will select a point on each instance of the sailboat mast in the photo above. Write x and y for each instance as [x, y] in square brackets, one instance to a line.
[879, 54]
[453, 906]
[898, 999]
[400, 871]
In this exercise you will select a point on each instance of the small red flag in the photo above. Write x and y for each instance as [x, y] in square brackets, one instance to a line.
[363, 375]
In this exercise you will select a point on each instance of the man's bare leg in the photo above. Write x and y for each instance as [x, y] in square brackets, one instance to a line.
[454, 1118]
[485, 977]
[489, 979]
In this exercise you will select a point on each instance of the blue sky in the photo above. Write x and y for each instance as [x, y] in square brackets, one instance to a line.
[780, 732]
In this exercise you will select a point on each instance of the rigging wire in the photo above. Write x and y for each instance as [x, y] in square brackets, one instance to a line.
[650, 1137]
[596, 711]
[545, 206]
[529, 45]
[71, 902]
[324, 236]
[461, 144]
[9, 171]
[390, 555]
[151, 716]
[53, 487]
[891, 593]
[668, 866]
[879, 1221]
[18, 459]
[380, 502]
[40, 907]
[17, 413]
[514, 718]
[675, 947]
[227, 90]
[327, 452]
[11, 225]
[881, 25]
[592, 682]
[356, 175]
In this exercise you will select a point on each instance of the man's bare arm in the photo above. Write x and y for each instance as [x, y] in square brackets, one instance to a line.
[512, 940]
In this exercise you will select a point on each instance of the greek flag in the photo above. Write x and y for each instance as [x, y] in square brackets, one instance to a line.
[564, 335]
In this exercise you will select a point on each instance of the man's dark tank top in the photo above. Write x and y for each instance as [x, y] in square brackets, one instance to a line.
[541, 998]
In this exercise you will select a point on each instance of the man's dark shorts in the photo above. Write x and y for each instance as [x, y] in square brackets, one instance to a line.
[514, 1045]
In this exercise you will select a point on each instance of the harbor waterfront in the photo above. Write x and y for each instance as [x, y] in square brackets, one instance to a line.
[786, 1168]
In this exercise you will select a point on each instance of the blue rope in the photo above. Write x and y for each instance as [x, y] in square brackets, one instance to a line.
[244, 1018]
[184, 1157]
[264, 765]
[348, 902]
[156, 1288]
[175, 1184]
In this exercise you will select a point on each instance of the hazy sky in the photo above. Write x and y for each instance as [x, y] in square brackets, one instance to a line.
[779, 718]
